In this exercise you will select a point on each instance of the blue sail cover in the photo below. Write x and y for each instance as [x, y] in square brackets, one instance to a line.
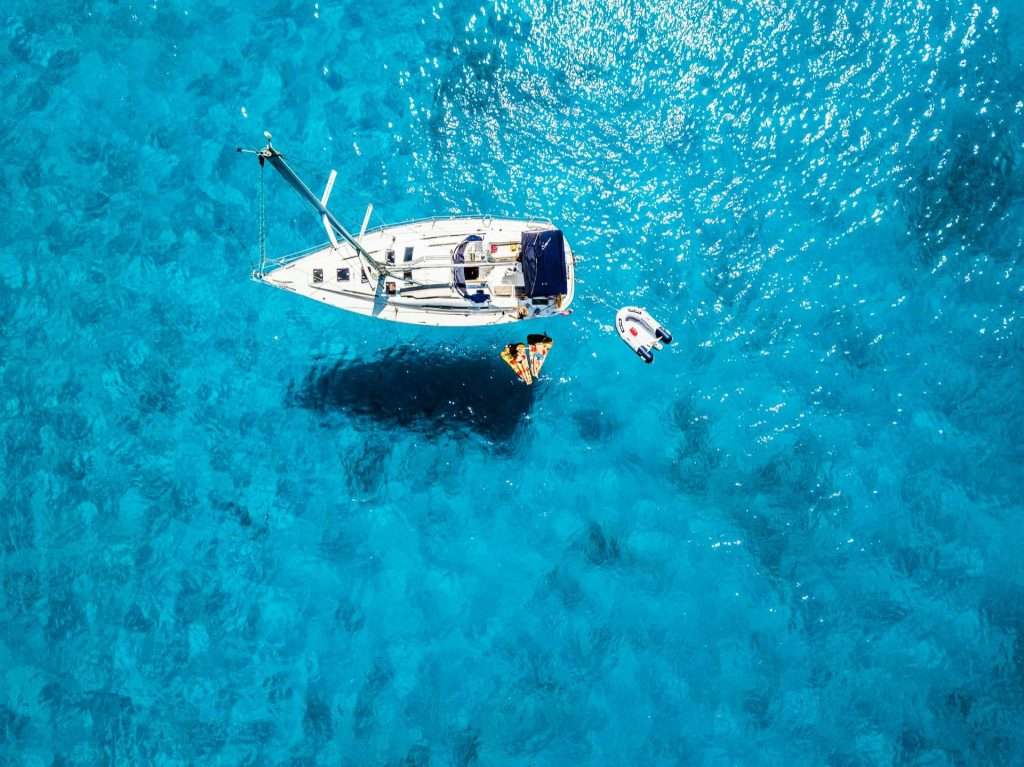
[544, 263]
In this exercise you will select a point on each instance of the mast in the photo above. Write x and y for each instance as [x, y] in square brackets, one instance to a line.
[331, 223]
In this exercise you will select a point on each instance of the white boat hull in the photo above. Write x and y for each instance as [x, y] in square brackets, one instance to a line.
[424, 286]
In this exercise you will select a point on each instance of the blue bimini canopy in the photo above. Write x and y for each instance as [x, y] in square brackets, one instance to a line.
[544, 263]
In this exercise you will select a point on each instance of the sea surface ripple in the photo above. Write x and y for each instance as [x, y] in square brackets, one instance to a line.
[237, 528]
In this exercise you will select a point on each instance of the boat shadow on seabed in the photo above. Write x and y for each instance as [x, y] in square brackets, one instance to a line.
[435, 393]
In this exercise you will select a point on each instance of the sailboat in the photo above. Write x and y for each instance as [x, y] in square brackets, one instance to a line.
[455, 271]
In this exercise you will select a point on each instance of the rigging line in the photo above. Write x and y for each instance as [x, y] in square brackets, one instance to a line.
[313, 170]
[380, 218]
[304, 166]
[262, 223]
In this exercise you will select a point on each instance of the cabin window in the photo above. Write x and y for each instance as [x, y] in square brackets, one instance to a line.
[392, 288]
[408, 254]
[364, 277]
[318, 275]
[407, 275]
[389, 256]
[343, 275]
[472, 272]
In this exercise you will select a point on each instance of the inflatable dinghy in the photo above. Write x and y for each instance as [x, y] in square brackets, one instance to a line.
[641, 332]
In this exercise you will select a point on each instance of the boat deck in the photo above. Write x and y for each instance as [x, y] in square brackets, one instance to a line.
[421, 286]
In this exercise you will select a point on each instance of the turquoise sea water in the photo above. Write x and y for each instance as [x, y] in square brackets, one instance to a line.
[238, 528]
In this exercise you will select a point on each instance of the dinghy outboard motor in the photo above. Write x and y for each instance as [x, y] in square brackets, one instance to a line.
[641, 332]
